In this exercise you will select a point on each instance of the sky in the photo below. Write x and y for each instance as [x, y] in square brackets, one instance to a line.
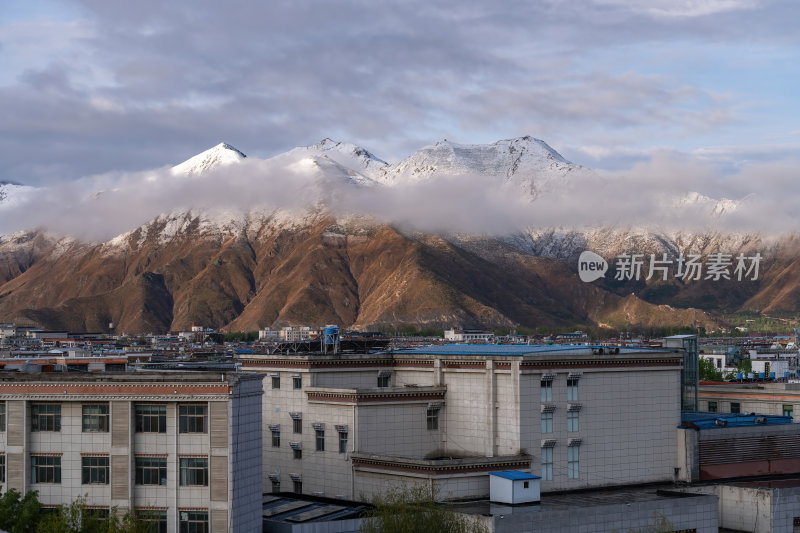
[90, 86]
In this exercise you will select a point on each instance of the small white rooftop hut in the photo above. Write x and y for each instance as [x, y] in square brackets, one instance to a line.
[513, 486]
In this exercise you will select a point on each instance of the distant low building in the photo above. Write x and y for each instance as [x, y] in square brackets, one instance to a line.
[468, 335]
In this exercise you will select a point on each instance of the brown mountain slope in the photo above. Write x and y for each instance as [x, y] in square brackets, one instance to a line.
[267, 274]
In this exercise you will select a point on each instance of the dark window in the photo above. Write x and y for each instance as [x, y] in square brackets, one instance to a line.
[342, 442]
[95, 418]
[735, 407]
[297, 383]
[383, 381]
[712, 407]
[2, 468]
[193, 521]
[433, 419]
[151, 470]
[320, 440]
[94, 470]
[525, 484]
[298, 487]
[788, 410]
[2, 416]
[151, 418]
[193, 418]
[276, 486]
[46, 417]
[156, 519]
[115, 367]
[276, 382]
[276, 439]
[194, 471]
[297, 425]
[45, 469]
[298, 453]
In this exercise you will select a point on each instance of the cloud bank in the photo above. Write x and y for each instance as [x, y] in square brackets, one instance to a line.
[666, 193]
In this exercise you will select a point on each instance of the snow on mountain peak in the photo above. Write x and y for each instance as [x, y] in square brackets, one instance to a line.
[525, 161]
[221, 154]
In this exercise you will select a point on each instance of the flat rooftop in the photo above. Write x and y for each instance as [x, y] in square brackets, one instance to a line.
[528, 349]
[575, 500]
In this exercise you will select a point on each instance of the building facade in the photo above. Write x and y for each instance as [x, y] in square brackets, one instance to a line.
[354, 425]
[183, 448]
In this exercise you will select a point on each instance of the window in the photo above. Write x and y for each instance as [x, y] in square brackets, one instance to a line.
[573, 462]
[2, 468]
[297, 425]
[547, 390]
[194, 471]
[547, 422]
[276, 485]
[276, 439]
[383, 381]
[298, 453]
[298, 486]
[45, 469]
[572, 389]
[193, 418]
[151, 418]
[433, 419]
[193, 521]
[2, 416]
[297, 382]
[320, 440]
[712, 407]
[547, 464]
[572, 420]
[115, 367]
[735, 407]
[276, 382]
[526, 485]
[46, 417]
[95, 418]
[155, 518]
[151, 470]
[94, 470]
[342, 442]
[788, 410]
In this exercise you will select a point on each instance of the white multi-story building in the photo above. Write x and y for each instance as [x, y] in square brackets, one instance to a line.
[354, 425]
[183, 447]
[468, 335]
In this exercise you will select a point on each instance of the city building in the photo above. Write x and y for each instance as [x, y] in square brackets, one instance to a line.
[183, 447]
[468, 335]
[763, 397]
[581, 417]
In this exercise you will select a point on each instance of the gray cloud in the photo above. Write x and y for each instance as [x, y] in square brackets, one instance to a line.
[140, 85]
[650, 195]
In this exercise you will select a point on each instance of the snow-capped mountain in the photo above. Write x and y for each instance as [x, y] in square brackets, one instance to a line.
[528, 163]
[347, 155]
[220, 155]
[252, 254]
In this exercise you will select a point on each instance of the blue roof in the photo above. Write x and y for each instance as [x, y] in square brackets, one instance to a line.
[709, 420]
[513, 475]
[512, 349]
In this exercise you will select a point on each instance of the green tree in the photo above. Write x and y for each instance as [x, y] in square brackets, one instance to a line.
[708, 371]
[24, 515]
[413, 509]
[745, 365]
[19, 514]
